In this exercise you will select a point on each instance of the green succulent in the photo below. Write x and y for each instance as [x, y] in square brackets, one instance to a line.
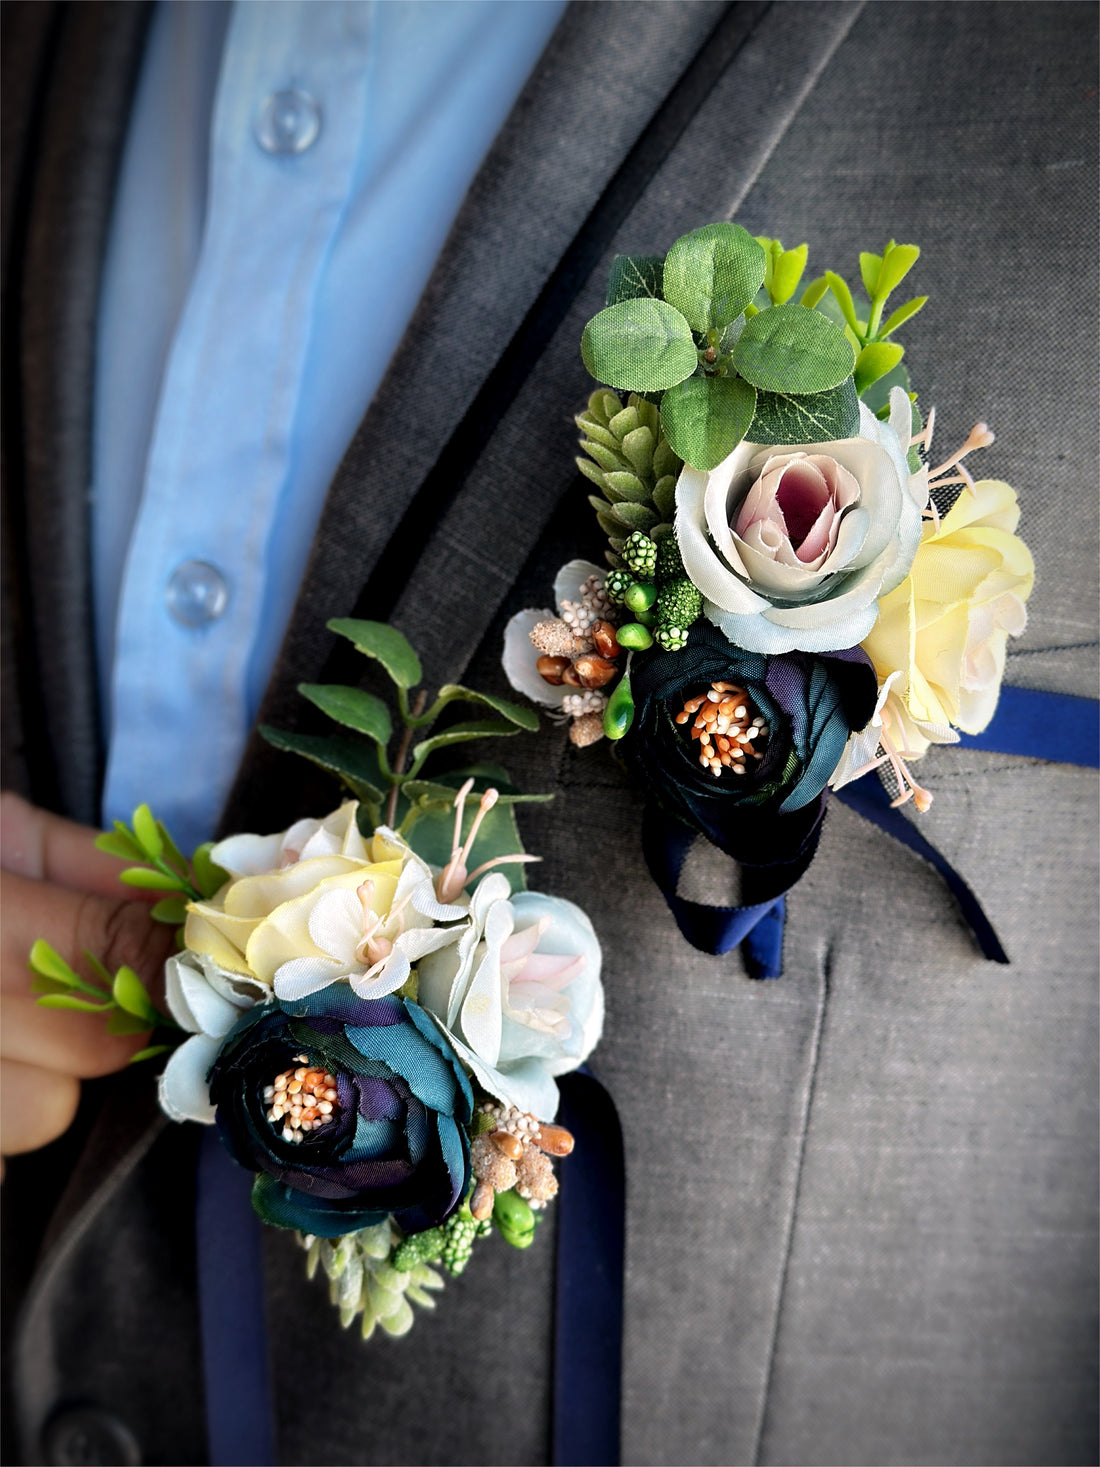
[632, 464]
[364, 1278]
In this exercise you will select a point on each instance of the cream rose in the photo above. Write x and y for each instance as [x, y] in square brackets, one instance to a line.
[792, 546]
[330, 905]
[940, 636]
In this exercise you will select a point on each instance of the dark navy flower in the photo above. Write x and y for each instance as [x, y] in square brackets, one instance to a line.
[809, 705]
[382, 1108]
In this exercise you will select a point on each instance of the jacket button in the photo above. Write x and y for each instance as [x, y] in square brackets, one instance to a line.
[85, 1436]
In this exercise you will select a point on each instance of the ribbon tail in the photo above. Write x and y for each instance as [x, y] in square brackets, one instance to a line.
[868, 798]
[757, 928]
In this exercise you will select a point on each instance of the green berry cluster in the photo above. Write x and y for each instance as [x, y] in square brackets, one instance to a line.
[426, 1247]
[459, 1232]
[640, 554]
[617, 584]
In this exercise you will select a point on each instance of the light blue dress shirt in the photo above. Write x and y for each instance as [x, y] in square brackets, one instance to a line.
[290, 175]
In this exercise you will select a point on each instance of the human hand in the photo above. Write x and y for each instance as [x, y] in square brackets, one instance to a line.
[54, 884]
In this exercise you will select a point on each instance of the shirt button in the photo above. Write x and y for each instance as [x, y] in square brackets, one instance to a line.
[196, 593]
[288, 122]
[84, 1436]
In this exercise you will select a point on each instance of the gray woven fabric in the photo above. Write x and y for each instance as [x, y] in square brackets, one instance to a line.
[861, 1221]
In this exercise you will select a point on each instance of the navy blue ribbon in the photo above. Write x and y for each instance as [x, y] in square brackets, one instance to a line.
[588, 1306]
[1057, 727]
[240, 1426]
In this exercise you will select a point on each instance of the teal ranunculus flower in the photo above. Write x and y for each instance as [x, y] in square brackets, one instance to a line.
[383, 1105]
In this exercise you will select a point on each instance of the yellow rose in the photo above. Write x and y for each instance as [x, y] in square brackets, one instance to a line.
[260, 920]
[944, 629]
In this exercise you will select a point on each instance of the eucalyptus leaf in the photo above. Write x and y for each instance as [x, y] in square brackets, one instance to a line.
[149, 880]
[350, 760]
[791, 349]
[643, 345]
[351, 707]
[633, 276]
[515, 712]
[146, 832]
[385, 644]
[815, 417]
[712, 274]
[705, 418]
[875, 360]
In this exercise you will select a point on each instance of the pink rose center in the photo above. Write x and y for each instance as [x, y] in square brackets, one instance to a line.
[793, 510]
[802, 495]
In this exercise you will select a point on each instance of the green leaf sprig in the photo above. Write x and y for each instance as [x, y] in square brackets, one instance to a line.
[388, 782]
[689, 328]
[866, 330]
[122, 999]
[160, 865]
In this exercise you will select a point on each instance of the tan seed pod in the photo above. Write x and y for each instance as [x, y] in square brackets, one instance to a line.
[605, 640]
[550, 669]
[554, 1139]
[594, 671]
[509, 1145]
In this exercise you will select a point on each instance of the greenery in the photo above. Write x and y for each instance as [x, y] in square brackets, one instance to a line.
[122, 999]
[380, 759]
[713, 334]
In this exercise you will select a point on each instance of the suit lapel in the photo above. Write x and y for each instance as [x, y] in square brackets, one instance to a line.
[565, 141]
[88, 58]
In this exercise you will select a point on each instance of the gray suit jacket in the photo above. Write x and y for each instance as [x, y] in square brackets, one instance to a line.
[861, 1221]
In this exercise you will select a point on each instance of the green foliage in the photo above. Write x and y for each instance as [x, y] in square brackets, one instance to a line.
[815, 417]
[460, 733]
[881, 275]
[711, 275]
[874, 361]
[353, 708]
[385, 644]
[707, 417]
[124, 1001]
[726, 363]
[641, 345]
[353, 762]
[163, 865]
[790, 349]
[784, 269]
[633, 276]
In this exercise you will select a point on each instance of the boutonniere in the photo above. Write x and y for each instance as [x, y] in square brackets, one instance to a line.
[371, 1006]
[794, 597]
